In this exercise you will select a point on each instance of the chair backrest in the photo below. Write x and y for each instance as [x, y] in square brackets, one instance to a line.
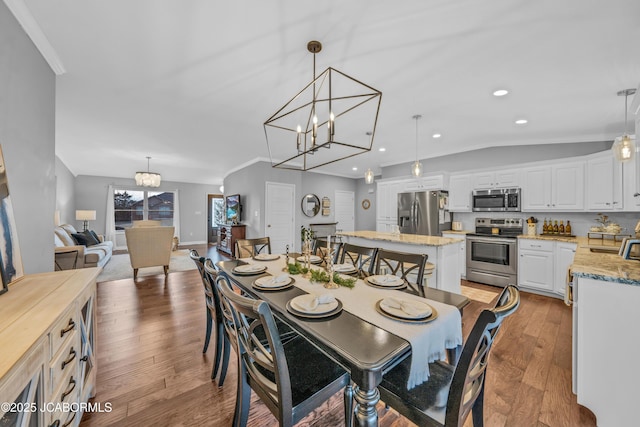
[198, 260]
[320, 246]
[263, 361]
[361, 257]
[149, 246]
[147, 223]
[410, 267]
[469, 375]
[212, 296]
[246, 248]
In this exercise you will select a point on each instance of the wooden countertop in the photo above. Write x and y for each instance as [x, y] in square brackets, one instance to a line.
[411, 239]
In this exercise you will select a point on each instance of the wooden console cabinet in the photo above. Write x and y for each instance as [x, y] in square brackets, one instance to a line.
[47, 337]
[227, 236]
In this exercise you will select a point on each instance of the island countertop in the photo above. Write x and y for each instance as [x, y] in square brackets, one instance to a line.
[412, 239]
[609, 267]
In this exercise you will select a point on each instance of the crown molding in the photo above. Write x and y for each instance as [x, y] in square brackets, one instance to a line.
[23, 14]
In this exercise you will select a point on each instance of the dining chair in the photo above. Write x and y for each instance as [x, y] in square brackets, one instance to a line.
[214, 308]
[363, 258]
[320, 246]
[451, 392]
[246, 248]
[208, 294]
[409, 267]
[292, 378]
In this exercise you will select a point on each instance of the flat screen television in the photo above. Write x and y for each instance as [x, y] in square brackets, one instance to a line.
[234, 208]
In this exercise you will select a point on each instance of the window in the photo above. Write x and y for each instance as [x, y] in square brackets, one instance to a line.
[136, 205]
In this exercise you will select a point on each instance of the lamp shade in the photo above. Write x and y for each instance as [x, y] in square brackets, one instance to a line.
[83, 215]
[148, 179]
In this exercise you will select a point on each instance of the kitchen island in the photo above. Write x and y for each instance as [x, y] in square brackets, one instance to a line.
[443, 252]
[606, 297]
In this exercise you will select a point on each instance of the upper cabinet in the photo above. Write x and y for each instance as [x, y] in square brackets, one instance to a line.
[460, 188]
[604, 182]
[434, 182]
[387, 200]
[556, 187]
[497, 179]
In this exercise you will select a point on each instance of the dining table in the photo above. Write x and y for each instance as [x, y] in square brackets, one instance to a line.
[360, 336]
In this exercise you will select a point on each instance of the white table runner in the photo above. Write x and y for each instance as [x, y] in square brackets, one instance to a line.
[429, 341]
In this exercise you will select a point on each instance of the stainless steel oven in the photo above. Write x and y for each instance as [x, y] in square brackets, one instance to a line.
[492, 251]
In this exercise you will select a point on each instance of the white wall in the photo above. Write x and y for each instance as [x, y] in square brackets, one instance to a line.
[27, 135]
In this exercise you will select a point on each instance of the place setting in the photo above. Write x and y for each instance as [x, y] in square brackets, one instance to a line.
[313, 259]
[312, 306]
[385, 281]
[266, 257]
[249, 269]
[345, 268]
[410, 311]
[273, 283]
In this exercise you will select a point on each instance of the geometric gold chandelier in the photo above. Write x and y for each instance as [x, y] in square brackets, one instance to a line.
[324, 122]
[148, 179]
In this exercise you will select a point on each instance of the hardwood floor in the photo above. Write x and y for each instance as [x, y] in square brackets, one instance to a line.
[152, 370]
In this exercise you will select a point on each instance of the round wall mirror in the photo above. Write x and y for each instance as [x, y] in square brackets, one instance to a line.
[310, 205]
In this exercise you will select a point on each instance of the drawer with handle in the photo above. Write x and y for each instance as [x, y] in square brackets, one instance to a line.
[65, 361]
[536, 245]
[65, 327]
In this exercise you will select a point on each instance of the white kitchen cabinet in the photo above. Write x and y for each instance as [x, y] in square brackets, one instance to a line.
[604, 183]
[557, 187]
[563, 254]
[434, 182]
[535, 264]
[497, 179]
[631, 182]
[462, 259]
[460, 188]
[387, 200]
[543, 265]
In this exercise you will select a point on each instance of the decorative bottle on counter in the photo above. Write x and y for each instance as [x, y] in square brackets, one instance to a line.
[567, 229]
[545, 228]
[555, 226]
[561, 227]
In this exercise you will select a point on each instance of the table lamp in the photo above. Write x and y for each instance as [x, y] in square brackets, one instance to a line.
[85, 217]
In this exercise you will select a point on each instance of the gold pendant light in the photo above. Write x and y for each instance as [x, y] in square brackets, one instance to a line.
[623, 147]
[416, 168]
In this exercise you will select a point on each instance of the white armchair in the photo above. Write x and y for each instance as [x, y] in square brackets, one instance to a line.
[149, 247]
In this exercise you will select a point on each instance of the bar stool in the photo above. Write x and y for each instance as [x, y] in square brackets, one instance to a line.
[429, 267]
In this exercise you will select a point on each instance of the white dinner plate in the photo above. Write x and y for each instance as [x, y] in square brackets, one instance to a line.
[315, 259]
[297, 304]
[249, 269]
[385, 280]
[272, 282]
[423, 310]
[266, 257]
[344, 268]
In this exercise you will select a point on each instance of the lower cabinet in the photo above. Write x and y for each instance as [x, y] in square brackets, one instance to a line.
[543, 265]
[48, 341]
[462, 258]
[227, 236]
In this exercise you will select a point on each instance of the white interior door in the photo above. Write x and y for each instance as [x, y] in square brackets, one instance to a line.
[279, 218]
[345, 210]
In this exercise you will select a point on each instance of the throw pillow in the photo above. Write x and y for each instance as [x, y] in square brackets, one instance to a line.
[85, 239]
[95, 236]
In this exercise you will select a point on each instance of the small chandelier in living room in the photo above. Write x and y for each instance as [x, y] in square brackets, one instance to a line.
[333, 101]
[148, 179]
[623, 147]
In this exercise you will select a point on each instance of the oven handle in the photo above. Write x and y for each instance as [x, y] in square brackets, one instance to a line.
[491, 240]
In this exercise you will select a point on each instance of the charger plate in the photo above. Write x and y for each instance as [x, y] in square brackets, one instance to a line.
[430, 318]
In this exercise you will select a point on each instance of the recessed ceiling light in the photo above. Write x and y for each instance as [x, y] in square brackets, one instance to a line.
[521, 121]
[382, 149]
[354, 168]
[436, 135]
[500, 92]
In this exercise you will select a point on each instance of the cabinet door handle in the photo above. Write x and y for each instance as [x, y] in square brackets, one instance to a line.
[72, 355]
[70, 327]
[536, 246]
[69, 390]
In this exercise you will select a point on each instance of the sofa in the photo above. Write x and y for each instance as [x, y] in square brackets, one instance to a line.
[70, 254]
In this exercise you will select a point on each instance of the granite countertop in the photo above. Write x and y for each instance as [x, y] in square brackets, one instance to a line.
[412, 239]
[558, 237]
[462, 232]
[609, 267]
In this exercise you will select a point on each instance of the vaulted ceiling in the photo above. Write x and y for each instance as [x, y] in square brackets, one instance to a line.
[191, 82]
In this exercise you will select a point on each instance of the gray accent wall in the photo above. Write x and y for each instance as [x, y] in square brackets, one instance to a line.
[27, 135]
[65, 193]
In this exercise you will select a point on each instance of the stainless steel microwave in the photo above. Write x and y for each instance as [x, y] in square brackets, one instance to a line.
[497, 200]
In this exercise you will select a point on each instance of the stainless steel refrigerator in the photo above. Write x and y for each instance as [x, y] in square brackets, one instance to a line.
[424, 212]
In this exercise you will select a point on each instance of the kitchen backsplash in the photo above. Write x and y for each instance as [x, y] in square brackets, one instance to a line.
[580, 222]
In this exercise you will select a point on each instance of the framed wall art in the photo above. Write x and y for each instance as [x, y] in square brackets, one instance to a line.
[10, 260]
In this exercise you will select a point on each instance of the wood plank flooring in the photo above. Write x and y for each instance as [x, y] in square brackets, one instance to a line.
[152, 370]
